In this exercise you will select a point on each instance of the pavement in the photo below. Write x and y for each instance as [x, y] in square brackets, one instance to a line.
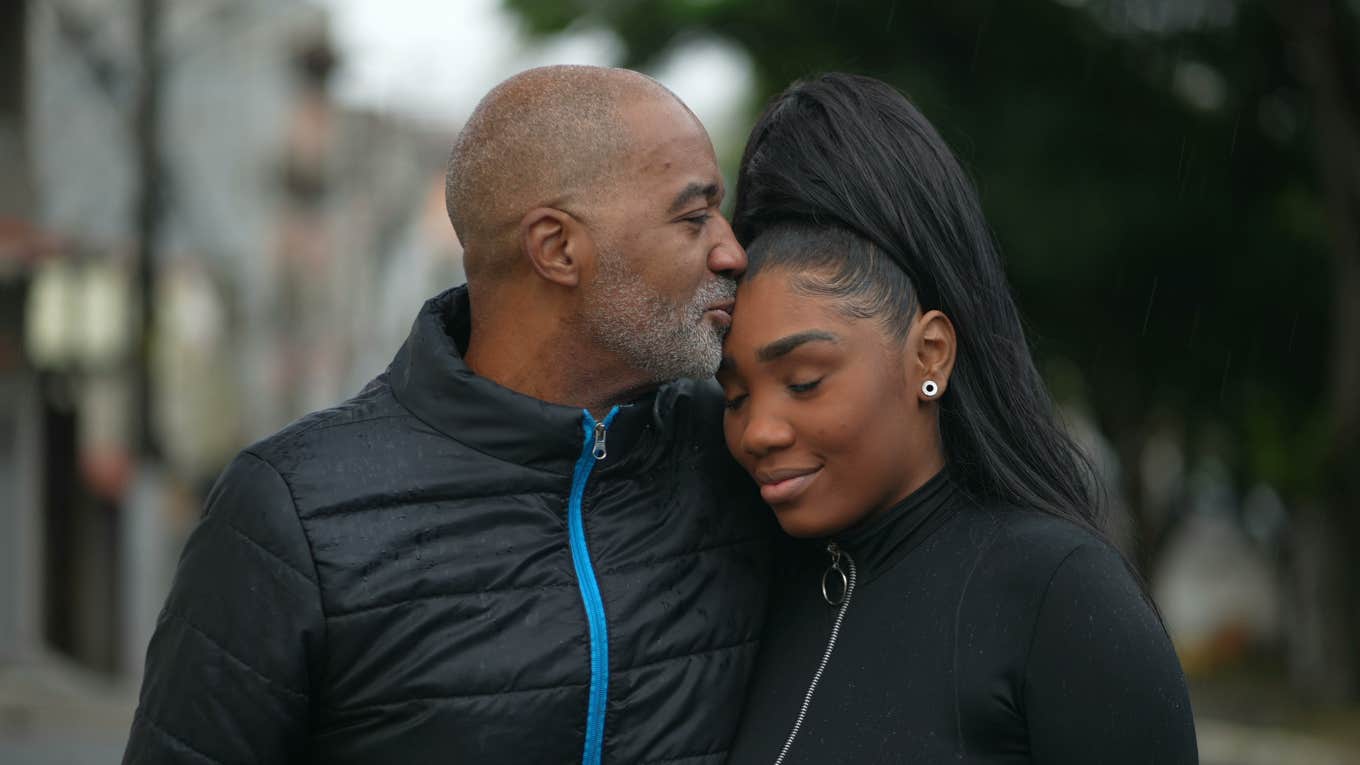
[1229, 743]
[54, 713]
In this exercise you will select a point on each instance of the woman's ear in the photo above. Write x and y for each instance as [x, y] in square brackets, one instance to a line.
[557, 245]
[932, 346]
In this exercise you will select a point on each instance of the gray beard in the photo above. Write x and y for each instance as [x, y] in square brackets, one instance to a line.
[656, 336]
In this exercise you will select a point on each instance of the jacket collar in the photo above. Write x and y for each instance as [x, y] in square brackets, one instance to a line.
[429, 378]
[878, 544]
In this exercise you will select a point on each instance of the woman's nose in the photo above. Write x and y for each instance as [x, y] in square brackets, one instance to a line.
[766, 433]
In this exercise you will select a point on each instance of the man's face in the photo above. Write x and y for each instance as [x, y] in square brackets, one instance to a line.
[667, 264]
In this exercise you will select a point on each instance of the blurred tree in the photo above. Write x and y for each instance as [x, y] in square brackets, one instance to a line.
[1161, 175]
[1321, 37]
[15, 188]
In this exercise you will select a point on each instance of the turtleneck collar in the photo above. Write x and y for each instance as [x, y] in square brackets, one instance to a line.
[877, 544]
[428, 376]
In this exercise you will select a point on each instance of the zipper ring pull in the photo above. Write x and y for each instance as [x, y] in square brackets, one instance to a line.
[836, 570]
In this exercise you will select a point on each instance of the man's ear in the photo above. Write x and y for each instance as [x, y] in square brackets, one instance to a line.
[931, 349]
[557, 245]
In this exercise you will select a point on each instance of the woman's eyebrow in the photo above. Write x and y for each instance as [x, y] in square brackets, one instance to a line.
[785, 345]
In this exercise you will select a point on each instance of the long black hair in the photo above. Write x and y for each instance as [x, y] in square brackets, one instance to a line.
[850, 157]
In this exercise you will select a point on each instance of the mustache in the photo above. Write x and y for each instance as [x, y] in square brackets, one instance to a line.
[721, 290]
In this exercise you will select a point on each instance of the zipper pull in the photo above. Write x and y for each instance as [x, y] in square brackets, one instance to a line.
[599, 451]
[835, 569]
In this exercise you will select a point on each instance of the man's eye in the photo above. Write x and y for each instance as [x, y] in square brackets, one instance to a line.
[805, 387]
[734, 403]
[700, 219]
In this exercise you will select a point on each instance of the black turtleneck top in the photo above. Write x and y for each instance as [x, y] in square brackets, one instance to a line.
[978, 635]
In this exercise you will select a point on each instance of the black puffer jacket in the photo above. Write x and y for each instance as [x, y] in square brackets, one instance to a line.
[441, 570]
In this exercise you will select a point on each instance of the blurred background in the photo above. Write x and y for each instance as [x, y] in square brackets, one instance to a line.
[216, 215]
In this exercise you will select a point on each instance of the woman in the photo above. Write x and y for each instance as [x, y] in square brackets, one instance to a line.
[949, 594]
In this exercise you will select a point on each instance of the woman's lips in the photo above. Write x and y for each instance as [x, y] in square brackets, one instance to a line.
[785, 486]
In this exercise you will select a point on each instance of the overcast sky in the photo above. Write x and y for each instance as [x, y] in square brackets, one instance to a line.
[434, 59]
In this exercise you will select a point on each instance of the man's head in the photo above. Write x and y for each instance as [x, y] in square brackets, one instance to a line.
[589, 198]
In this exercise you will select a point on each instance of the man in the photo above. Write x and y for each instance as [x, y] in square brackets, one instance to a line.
[520, 544]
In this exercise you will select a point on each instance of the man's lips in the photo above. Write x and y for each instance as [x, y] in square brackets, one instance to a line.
[722, 311]
[785, 484]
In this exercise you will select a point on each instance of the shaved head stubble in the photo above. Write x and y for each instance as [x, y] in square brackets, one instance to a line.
[558, 137]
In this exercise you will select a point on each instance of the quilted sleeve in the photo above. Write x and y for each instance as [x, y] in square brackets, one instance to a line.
[229, 668]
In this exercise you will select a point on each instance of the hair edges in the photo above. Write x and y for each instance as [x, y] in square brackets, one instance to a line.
[835, 261]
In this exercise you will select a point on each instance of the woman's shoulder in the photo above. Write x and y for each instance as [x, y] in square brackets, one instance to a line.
[1038, 528]
[1020, 552]
[1036, 578]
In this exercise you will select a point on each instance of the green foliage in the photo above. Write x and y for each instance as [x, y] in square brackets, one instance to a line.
[1153, 191]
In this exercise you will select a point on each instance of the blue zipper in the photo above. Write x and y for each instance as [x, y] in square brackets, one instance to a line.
[593, 451]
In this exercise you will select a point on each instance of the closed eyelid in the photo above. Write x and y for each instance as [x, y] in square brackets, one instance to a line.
[696, 216]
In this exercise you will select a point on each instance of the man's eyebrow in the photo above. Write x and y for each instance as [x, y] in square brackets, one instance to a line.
[785, 345]
[692, 192]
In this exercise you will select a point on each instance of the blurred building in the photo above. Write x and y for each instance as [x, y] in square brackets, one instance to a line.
[293, 241]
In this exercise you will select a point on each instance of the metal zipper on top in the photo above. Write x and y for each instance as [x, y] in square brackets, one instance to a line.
[847, 589]
[593, 451]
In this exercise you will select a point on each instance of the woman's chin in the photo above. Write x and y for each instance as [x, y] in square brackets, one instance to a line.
[805, 523]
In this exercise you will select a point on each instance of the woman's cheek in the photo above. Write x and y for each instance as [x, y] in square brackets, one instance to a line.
[831, 430]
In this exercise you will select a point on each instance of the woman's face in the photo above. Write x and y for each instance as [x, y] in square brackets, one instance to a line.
[825, 411]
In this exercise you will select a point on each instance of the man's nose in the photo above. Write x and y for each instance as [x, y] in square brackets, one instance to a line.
[727, 256]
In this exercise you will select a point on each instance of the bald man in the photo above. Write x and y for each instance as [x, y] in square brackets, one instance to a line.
[524, 542]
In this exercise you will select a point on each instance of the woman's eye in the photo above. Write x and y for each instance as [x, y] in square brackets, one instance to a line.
[734, 403]
[805, 387]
